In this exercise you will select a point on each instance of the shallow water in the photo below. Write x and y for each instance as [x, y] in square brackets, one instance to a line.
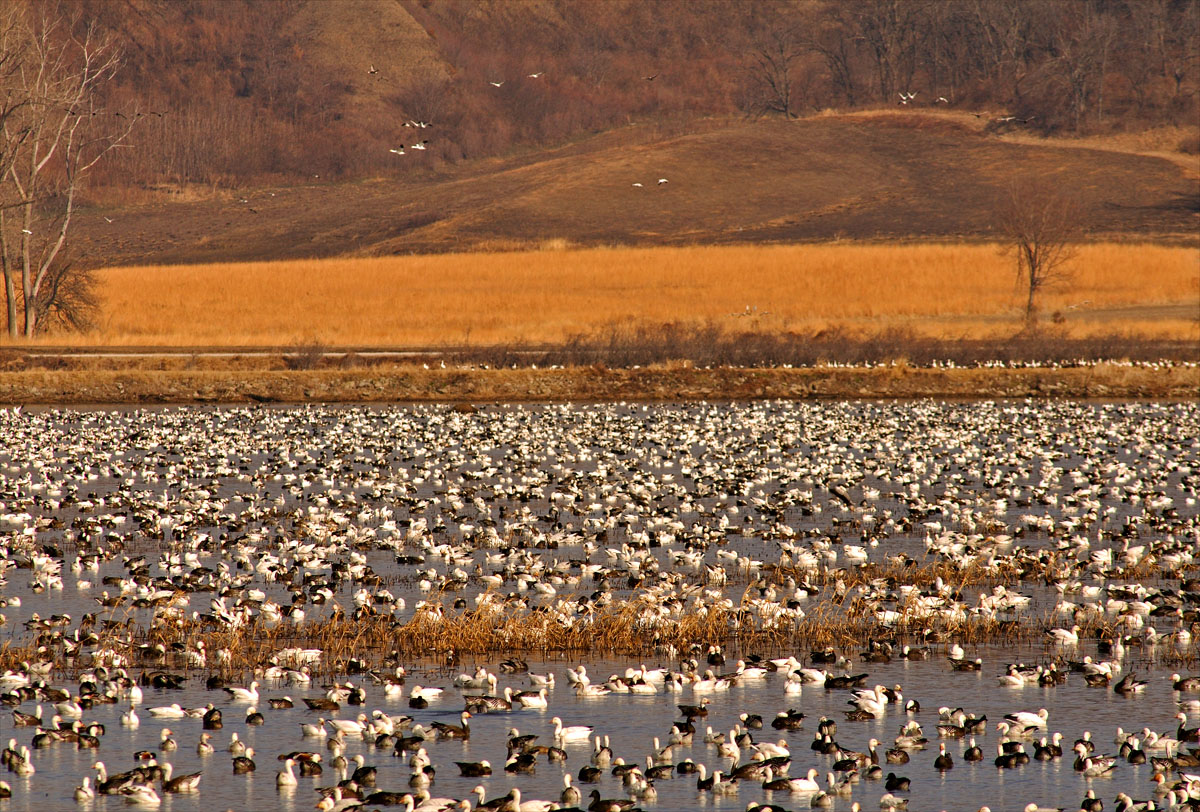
[362, 475]
[631, 722]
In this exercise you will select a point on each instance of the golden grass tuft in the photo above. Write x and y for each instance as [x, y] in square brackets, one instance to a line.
[548, 295]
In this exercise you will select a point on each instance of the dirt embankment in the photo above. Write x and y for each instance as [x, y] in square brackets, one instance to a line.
[668, 382]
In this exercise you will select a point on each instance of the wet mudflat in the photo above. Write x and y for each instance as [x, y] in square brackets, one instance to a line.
[304, 547]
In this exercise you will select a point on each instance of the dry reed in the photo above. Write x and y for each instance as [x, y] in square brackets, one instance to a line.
[506, 628]
[946, 291]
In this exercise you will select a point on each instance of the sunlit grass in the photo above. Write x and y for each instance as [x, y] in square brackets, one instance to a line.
[945, 291]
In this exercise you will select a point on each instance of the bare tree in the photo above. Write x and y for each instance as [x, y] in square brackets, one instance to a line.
[891, 30]
[425, 95]
[1042, 224]
[59, 133]
[775, 56]
[13, 44]
[777, 45]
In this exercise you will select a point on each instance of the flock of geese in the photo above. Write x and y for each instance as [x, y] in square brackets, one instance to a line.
[1075, 521]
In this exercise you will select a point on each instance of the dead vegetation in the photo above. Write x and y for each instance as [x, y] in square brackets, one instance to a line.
[675, 381]
[500, 627]
[591, 296]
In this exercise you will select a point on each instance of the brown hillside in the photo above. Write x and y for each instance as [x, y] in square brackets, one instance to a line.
[239, 93]
[881, 177]
[344, 40]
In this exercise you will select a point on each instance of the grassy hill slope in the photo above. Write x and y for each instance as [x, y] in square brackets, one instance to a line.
[880, 176]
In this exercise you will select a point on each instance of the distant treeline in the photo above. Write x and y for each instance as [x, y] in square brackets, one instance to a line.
[230, 93]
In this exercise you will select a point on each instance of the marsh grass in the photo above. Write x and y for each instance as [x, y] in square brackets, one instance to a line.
[501, 628]
[944, 291]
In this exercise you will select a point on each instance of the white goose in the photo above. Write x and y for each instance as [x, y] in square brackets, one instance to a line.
[428, 694]
[353, 727]
[244, 694]
[874, 701]
[1065, 637]
[574, 733]
[1029, 719]
[84, 791]
[532, 699]
[285, 777]
[141, 795]
[531, 805]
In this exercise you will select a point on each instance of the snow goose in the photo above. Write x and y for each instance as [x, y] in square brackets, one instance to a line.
[174, 711]
[574, 733]
[1028, 718]
[1064, 637]
[285, 777]
[244, 694]
[84, 791]
[428, 694]
[141, 795]
[532, 699]
[528, 806]
[352, 727]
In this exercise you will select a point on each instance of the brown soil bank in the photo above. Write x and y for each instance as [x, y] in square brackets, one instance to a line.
[666, 382]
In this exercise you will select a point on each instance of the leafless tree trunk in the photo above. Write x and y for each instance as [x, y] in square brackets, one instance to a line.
[61, 134]
[13, 45]
[778, 45]
[830, 35]
[1041, 223]
[890, 28]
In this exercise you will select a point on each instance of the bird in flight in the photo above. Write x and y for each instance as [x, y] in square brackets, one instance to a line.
[419, 145]
[372, 70]
[397, 151]
[650, 78]
[638, 185]
[537, 75]
[661, 181]
[496, 84]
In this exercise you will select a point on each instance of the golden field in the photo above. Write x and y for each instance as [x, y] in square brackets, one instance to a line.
[944, 291]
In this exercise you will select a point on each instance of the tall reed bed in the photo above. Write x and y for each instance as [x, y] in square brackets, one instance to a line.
[952, 291]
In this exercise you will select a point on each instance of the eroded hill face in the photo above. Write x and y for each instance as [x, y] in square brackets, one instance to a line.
[862, 177]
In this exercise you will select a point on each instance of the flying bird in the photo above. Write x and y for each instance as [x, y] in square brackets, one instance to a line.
[537, 75]
[496, 84]
[372, 70]
[638, 185]
[661, 181]
[397, 151]
[650, 78]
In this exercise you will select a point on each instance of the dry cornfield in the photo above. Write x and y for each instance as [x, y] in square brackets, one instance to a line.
[939, 290]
